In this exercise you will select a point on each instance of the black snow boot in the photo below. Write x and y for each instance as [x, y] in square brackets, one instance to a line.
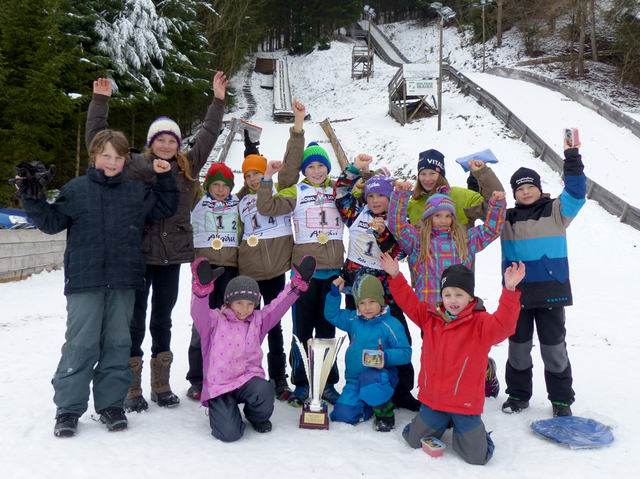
[114, 418]
[66, 425]
[385, 417]
[262, 427]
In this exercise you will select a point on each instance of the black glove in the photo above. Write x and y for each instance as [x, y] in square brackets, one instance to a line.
[206, 275]
[306, 269]
[250, 148]
[33, 176]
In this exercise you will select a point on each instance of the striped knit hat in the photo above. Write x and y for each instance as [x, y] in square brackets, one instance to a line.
[218, 172]
[163, 125]
[440, 201]
[314, 152]
[242, 287]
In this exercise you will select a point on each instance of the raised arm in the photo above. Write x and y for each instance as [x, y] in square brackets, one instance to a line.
[573, 196]
[346, 202]
[208, 134]
[482, 235]
[98, 109]
[478, 204]
[404, 233]
[340, 318]
[292, 161]
[270, 205]
[276, 309]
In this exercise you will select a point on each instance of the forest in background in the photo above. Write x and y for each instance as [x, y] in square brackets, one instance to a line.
[162, 55]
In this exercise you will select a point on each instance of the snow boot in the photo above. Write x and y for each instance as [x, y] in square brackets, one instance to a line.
[561, 409]
[491, 383]
[113, 418]
[514, 405]
[299, 395]
[134, 402]
[262, 427]
[195, 391]
[276, 364]
[160, 389]
[385, 417]
[282, 389]
[66, 425]
[330, 394]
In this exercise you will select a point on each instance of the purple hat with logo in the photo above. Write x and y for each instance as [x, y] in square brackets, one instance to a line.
[380, 184]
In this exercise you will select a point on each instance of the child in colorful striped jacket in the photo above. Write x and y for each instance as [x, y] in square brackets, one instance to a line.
[440, 241]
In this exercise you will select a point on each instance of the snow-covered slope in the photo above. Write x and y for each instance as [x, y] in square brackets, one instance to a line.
[174, 443]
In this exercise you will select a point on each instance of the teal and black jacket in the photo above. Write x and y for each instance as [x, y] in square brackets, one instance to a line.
[536, 235]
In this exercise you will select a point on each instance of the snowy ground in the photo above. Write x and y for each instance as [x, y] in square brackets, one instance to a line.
[601, 328]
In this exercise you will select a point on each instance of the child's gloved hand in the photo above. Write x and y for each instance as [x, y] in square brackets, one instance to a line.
[250, 148]
[31, 177]
[203, 277]
[303, 272]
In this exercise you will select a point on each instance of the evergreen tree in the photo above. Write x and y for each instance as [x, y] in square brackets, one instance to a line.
[34, 106]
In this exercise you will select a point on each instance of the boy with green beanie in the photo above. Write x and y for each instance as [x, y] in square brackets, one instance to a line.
[371, 377]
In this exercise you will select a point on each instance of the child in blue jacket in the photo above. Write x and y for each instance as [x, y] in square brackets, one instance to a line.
[369, 389]
[535, 232]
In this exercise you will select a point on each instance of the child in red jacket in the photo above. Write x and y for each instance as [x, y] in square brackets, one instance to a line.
[458, 334]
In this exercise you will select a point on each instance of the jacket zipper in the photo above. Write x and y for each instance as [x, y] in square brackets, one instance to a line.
[460, 377]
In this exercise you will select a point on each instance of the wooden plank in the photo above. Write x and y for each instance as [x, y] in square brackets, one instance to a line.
[337, 147]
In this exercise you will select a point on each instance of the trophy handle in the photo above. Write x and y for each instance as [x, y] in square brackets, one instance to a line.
[332, 353]
[303, 354]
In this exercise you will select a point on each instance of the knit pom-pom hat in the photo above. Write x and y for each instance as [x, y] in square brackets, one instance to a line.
[440, 201]
[163, 125]
[219, 172]
[242, 287]
[314, 152]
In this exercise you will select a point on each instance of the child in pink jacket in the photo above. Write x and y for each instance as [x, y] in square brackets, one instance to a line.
[231, 339]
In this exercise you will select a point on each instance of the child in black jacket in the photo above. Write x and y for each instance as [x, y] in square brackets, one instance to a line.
[104, 217]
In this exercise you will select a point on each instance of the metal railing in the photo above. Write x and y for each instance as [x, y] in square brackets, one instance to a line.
[627, 213]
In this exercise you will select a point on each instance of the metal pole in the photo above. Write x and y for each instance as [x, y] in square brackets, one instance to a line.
[482, 38]
[440, 77]
[369, 49]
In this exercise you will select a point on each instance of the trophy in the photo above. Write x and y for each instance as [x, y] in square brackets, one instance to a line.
[317, 365]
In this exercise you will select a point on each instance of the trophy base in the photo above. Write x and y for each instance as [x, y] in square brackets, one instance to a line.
[314, 420]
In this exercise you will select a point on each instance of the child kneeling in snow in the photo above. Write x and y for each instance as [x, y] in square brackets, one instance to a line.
[231, 339]
[458, 335]
[369, 388]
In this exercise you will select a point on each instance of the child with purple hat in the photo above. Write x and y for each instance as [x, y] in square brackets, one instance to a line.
[368, 234]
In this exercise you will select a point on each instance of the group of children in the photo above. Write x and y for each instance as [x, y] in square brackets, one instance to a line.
[246, 242]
